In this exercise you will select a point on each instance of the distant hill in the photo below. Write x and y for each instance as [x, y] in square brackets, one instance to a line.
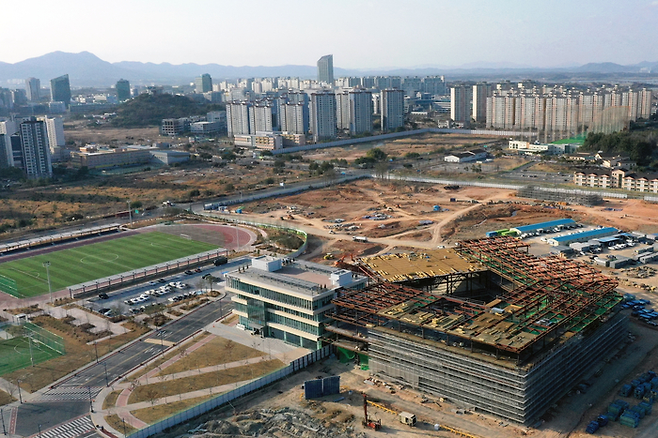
[86, 69]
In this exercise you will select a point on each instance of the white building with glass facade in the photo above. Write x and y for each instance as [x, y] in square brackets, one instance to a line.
[287, 299]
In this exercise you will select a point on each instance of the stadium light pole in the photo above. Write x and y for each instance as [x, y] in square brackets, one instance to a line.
[46, 265]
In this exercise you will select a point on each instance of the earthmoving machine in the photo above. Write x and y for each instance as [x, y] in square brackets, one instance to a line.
[368, 422]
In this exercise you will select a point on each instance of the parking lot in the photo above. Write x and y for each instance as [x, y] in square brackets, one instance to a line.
[165, 290]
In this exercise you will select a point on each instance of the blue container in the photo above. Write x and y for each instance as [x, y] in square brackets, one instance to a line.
[602, 420]
[635, 383]
[626, 390]
[592, 427]
[639, 391]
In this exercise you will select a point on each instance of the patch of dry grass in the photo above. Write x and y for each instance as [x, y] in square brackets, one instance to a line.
[111, 399]
[117, 424]
[183, 385]
[5, 398]
[215, 352]
[154, 414]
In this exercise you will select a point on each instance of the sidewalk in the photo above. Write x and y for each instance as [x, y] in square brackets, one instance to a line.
[82, 317]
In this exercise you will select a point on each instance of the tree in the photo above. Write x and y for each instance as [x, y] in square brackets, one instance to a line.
[376, 154]
[381, 169]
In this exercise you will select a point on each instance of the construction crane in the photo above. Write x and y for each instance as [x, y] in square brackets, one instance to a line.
[367, 422]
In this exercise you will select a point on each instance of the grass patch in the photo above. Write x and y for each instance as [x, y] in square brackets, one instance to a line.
[78, 353]
[156, 413]
[111, 399]
[119, 425]
[183, 385]
[5, 398]
[78, 265]
[230, 320]
[215, 352]
[162, 359]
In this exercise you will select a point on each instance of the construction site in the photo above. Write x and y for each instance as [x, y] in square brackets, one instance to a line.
[485, 324]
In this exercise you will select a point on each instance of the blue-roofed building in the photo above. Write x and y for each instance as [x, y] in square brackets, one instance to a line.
[583, 236]
[610, 240]
[558, 223]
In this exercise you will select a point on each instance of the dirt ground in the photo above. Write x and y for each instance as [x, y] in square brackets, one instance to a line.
[420, 144]
[77, 131]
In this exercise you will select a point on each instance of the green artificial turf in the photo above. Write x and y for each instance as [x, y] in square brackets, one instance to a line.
[97, 260]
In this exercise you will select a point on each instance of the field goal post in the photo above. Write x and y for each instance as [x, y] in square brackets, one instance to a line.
[8, 285]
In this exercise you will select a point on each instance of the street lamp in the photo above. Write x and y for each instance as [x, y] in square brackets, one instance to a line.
[20, 397]
[130, 213]
[46, 265]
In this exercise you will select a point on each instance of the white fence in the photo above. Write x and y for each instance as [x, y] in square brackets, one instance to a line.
[651, 198]
[220, 400]
[452, 182]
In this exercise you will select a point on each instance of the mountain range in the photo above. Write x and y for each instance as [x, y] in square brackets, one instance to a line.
[86, 69]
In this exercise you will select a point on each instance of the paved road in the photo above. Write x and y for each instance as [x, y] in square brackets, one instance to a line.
[70, 399]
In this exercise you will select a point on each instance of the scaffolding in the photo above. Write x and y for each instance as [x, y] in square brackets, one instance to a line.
[552, 319]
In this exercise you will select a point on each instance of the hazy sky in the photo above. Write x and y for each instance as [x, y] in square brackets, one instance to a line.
[359, 33]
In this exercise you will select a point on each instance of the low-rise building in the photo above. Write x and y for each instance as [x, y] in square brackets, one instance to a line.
[168, 157]
[526, 147]
[95, 157]
[286, 299]
[602, 177]
[467, 156]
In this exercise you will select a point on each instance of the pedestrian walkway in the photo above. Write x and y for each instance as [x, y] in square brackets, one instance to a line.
[72, 429]
[68, 393]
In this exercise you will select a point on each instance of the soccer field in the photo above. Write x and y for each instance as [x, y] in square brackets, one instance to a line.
[97, 260]
[18, 353]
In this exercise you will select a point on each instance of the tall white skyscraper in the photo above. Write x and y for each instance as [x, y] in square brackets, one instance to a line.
[323, 115]
[326, 69]
[392, 109]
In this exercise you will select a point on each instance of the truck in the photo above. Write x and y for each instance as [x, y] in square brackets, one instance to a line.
[362, 239]
[221, 260]
[407, 418]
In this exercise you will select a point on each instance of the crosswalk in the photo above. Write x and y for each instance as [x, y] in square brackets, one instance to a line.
[69, 393]
[80, 427]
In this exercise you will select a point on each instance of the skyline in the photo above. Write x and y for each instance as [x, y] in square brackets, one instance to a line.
[361, 35]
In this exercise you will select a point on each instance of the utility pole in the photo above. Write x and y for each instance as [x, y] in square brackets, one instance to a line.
[2, 415]
[96, 349]
[46, 265]
[107, 382]
[130, 213]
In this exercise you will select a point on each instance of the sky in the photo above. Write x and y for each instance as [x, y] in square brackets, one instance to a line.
[361, 34]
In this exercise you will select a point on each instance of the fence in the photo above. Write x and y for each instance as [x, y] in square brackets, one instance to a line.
[220, 400]
[651, 198]
[127, 278]
[24, 345]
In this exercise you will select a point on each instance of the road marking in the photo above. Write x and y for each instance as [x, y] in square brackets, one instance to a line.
[69, 393]
[159, 342]
[72, 429]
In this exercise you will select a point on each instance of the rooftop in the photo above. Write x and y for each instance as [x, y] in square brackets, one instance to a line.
[586, 234]
[544, 225]
[418, 265]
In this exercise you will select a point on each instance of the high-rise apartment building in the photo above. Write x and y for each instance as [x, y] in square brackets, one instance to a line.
[261, 117]
[60, 90]
[237, 118]
[123, 90]
[392, 109]
[56, 139]
[480, 93]
[360, 104]
[33, 89]
[203, 84]
[35, 149]
[323, 115]
[434, 85]
[343, 109]
[460, 104]
[326, 69]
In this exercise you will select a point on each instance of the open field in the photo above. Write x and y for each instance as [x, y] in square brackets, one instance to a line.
[86, 263]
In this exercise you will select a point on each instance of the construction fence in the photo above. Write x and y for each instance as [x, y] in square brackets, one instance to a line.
[227, 397]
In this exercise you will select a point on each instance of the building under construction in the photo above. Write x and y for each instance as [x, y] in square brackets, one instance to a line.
[538, 325]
